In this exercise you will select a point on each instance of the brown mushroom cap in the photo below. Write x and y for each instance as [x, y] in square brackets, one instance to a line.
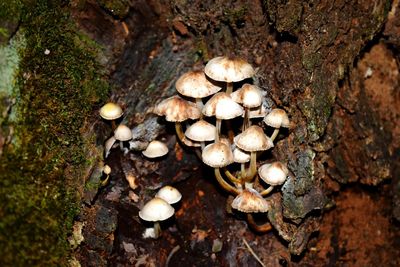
[277, 118]
[228, 69]
[222, 107]
[111, 111]
[176, 109]
[274, 173]
[195, 84]
[249, 201]
[217, 155]
[253, 139]
[249, 96]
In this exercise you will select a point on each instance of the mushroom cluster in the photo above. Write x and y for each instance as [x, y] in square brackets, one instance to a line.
[210, 106]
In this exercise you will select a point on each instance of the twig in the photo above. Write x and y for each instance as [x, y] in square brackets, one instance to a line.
[253, 253]
[173, 251]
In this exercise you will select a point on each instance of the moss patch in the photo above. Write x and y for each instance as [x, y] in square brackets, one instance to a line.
[58, 83]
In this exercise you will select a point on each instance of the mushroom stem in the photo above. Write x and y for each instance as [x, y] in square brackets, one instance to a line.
[157, 230]
[263, 228]
[113, 125]
[203, 145]
[274, 134]
[242, 171]
[179, 132]
[231, 177]
[224, 184]
[121, 145]
[253, 166]
[229, 88]
[200, 105]
[217, 129]
[246, 120]
[267, 191]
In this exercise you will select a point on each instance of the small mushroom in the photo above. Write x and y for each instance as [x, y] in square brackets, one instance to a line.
[108, 145]
[169, 194]
[253, 139]
[107, 172]
[156, 210]
[111, 112]
[249, 96]
[250, 201]
[155, 149]
[273, 174]
[219, 155]
[277, 118]
[122, 133]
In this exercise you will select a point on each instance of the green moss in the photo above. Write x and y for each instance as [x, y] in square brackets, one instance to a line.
[40, 167]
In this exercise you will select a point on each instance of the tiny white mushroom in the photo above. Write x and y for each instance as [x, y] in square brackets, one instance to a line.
[155, 149]
[169, 194]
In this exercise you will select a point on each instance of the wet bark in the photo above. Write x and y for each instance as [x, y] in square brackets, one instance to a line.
[311, 59]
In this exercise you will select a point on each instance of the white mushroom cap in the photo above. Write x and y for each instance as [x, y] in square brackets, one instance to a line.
[222, 107]
[228, 69]
[111, 111]
[176, 109]
[195, 84]
[253, 139]
[277, 118]
[155, 149]
[169, 194]
[249, 200]
[240, 156]
[108, 145]
[249, 96]
[217, 155]
[155, 210]
[274, 173]
[123, 133]
[188, 142]
[201, 131]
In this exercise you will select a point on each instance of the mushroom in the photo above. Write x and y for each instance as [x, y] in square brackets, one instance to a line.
[219, 155]
[195, 84]
[253, 139]
[108, 145]
[223, 108]
[156, 210]
[241, 157]
[122, 133]
[111, 112]
[176, 109]
[273, 174]
[155, 149]
[249, 96]
[106, 171]
[201, 131]
[250, 201]
[170, 194]
[277, 118]
[229, 70]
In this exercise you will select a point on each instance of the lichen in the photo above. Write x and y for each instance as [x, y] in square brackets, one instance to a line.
[56, 85]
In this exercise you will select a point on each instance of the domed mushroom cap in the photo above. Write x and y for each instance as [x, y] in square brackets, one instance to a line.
[273, 173]
[176, 109]
[217, 155]
[155, 149]
[240, 156]
[169, 194]
[110, 111]
[253, 139]
[277, 118]
[249, 201]
[249, 96]
[155, 210]
[195, 84]
[228, 69]
[106, 169]
[201, 131]
[123, 133]
[222, 107]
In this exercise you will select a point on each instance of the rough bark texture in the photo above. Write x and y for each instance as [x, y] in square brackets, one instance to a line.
[332, 65]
